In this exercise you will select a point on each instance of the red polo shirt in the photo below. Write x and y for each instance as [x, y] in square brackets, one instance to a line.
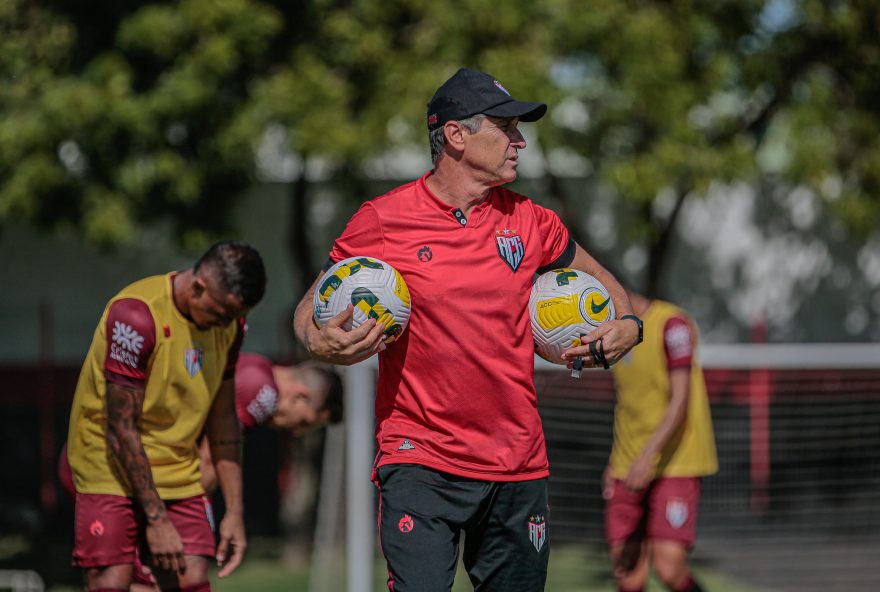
[456, 393]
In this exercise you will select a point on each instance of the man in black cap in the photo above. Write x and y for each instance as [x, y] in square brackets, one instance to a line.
[460, 443]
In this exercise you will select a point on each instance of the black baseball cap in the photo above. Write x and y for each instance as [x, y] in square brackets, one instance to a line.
[469, 92]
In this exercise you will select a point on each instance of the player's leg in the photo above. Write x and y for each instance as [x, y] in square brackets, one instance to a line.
[194, 579]
[630, 563]
[193, 519]
[420, 516]
[143, 580]
[105, 540]
[625, 535]
[509, 546]
[672, 522]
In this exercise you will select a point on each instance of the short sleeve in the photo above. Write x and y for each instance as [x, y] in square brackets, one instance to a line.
[556, 245]
[131, 338]
[362, 236]
[678, 342]
[256, 394]
[234, 349]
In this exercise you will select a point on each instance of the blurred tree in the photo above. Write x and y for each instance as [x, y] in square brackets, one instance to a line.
[122, 114]
[114, 114]
[359, 75]
[664, 98]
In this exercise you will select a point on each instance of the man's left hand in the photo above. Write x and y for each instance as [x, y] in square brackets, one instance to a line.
[230, 550]
[641, 473]
[618, 337]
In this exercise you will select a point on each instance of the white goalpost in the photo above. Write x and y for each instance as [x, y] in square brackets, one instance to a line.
[798, 435]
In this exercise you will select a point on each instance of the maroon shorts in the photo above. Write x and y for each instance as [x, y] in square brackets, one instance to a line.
[665, 510]
[111, 529]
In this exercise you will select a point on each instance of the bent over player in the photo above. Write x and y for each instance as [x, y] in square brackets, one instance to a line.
[460, 443]
[663, 445]
[297, 398]
[159, 373]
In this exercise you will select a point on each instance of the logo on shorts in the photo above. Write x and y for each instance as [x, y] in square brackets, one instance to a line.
[209, 513]
[96, 528]
[192, 359]
[510, 247]
[537, 531]
[676, 512]
[406, 445]
[425, 254]
[405, 524]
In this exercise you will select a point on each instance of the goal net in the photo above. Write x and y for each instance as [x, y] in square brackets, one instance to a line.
[796, 502]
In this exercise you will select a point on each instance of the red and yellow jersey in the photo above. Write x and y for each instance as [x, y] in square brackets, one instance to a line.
[643, 393]
[143, 341]
[456, 392]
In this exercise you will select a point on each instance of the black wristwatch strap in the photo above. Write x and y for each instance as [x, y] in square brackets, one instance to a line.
[638, 324]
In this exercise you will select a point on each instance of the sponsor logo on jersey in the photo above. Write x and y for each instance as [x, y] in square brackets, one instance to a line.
[510, 247]
[537, 531]
[425, 254]
[676, 512]
[192, 359]
[406, 523]
[678, 342]
[126, 344]
[264, 404]
[406, 445]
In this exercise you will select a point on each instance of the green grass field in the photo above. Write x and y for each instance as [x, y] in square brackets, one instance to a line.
[572, 569]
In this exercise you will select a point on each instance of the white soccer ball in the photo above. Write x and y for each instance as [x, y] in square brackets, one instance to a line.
[373, 287]
[564, 306]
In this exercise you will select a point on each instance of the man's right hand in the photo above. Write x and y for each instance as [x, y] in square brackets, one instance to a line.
[165, 545]
[334, 344]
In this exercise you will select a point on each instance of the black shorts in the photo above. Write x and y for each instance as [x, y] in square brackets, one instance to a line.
[423, 512]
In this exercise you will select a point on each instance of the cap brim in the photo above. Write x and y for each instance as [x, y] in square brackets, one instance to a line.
[522, 109]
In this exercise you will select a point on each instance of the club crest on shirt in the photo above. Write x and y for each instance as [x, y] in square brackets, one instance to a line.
[192, 359]
[676, 512]
[537, 531]
[510, 247]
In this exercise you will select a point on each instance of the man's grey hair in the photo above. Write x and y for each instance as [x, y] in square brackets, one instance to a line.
[437, 138]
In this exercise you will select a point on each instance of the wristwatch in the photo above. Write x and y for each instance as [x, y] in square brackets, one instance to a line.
[638, 324]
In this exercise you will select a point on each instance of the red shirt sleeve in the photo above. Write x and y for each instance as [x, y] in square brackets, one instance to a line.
[131, 338]
[362, 236]
[232, 356]
[256, 395]
[555, 240]
[678, 342]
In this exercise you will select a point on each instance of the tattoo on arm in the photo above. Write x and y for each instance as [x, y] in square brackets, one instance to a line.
[124, 405]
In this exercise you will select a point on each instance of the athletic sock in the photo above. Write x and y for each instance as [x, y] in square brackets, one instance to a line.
[202, 587]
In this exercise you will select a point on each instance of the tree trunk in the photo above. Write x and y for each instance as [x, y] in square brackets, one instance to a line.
[298, 239]
[661, 237]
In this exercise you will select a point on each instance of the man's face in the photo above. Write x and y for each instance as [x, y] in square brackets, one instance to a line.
[493, 151]
[211, 306]
[299, 409]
